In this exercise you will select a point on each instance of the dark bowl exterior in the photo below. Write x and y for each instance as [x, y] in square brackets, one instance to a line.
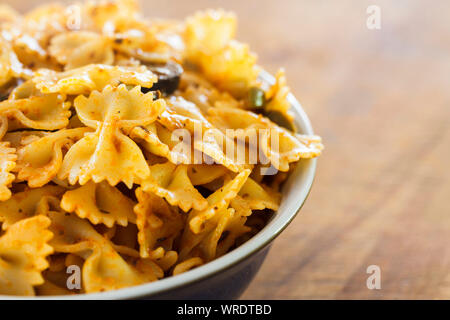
[224, 285]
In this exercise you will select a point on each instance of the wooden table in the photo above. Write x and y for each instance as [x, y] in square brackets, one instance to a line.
[380, 100]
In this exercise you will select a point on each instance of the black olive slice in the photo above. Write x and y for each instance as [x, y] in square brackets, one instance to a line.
[168, 77]
[280, 119]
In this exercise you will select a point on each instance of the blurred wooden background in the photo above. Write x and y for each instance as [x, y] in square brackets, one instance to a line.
[380, 100]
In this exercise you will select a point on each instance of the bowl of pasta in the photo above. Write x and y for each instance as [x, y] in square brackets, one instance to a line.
[141, 158]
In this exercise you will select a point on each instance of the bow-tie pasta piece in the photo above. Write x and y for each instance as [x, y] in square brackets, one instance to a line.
[258, 196]
[234, 229]
[48, 112]
[241, 206]
[182, 114]
[99, 203]
[31, 35]
[203, 174]
[31, 54]
[50, 289]
[153, 42]
[157, 140]
[277, 144]
[158, 223]
[109, 154]
[187, 265]
[129, 108]
[92, 77]
[206, 227]
[19, 139]
[81, 48]
[252, 196]
[168, 260]
[312, 142]
[229, 227]
[63, 45]
[219, 149]
[98, 51]
[215, 238]
[198, 143]
[25, 90]
[206, 96]
[23, 251]
[98, 14]
[103, 268]
[219, 232]
[25, 204]
[7, 164]
[217, 201]
[3, 125]
[235, 119]
[209, 32]
[277, 95]
[234, 69]
[290, 148]
[224, 61]
[172, 183]
[209, 243]
[9, 64]
[72, 234]
[106, 270]
[160, 141]
[39, 161]
[124, 239]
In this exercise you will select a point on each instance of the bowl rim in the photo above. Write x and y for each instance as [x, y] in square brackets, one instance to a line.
[259, 241]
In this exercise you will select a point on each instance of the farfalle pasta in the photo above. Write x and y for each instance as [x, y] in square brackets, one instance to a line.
[132, 150]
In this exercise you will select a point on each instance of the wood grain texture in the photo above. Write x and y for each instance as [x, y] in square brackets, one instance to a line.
[380, 100]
